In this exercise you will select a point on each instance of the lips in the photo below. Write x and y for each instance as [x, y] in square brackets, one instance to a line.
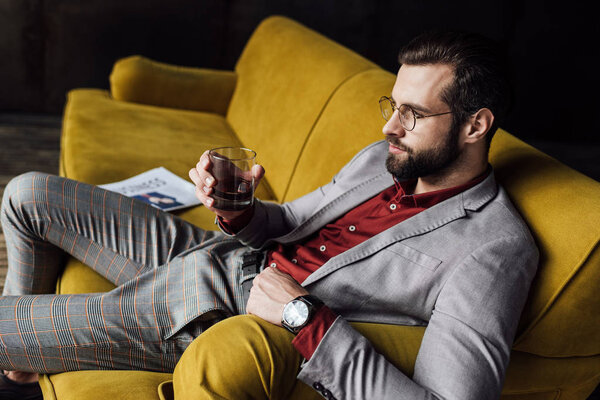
[397, 148]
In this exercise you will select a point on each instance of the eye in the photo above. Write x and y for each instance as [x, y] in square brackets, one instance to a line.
[418, 115]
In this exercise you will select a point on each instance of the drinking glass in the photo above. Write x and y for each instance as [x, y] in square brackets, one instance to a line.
[232, 170]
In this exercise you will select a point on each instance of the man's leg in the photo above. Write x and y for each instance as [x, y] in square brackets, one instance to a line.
[143, 324]
[242, 357]
[44, 216]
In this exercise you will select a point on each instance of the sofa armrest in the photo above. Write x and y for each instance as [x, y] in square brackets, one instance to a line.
[141, 80]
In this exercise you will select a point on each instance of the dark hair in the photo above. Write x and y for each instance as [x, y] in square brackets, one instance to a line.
[480, 73]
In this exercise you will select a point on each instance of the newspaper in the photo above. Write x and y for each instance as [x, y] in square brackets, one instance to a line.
[158, 187]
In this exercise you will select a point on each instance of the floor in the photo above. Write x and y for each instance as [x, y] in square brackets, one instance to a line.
[27, 143]
[31, 143]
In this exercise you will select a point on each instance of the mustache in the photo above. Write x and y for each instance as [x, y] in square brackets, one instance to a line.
[396, 143]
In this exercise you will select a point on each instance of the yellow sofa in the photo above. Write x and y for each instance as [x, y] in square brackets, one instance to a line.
[306, 105]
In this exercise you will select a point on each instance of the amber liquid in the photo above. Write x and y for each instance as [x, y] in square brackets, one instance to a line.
[232, 194]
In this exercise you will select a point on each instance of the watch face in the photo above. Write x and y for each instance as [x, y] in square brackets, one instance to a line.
[295, 313]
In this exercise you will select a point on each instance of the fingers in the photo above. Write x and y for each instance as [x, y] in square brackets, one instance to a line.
[203, 180]
[257, 173]
[205, 184]
[202, 194]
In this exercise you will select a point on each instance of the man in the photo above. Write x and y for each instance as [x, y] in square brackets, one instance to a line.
[413, 230]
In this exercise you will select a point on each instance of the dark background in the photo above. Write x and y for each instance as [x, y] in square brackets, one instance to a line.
[50, 46]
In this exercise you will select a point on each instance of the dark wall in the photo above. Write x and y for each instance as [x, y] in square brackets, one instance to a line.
[50, 46]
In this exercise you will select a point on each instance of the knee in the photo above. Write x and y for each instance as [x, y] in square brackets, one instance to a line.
[20, 195]
[22, 189]
[240, 357]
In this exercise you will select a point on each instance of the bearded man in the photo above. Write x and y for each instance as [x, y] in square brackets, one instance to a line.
[414, 230]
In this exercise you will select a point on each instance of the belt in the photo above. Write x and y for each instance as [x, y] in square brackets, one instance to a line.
[252, 263]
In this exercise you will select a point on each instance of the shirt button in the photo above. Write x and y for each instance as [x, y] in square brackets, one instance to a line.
[392, 207]
[322, 248]
[294, 261]
[318, 386]
[273, 265]
[351, 228]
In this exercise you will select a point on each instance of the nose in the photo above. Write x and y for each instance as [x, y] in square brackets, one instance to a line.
[393, 126]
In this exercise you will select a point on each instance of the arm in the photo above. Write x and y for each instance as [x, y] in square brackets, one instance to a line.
[265, 220]
[140, 80]
[466, 346]
[270, 220]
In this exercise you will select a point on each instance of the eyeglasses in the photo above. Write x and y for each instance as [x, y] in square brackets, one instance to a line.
[408, 116]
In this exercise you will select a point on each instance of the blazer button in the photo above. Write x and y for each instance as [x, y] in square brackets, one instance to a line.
[318, 386]
[328, 395]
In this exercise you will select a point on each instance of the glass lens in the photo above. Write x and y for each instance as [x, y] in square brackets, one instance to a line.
[407, 117]
[386, 108]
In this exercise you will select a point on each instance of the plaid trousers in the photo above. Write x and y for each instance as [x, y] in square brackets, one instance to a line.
[172, 279]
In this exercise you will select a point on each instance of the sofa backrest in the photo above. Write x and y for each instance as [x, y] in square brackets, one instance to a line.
[286, 75]
[350, 121]
[562, 208]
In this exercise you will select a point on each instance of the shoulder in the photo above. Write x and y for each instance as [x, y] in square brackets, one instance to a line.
[369, 161]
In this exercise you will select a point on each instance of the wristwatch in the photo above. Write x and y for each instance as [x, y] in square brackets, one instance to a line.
[298, 312]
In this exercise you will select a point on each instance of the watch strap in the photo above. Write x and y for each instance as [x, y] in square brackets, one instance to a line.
[311, 300]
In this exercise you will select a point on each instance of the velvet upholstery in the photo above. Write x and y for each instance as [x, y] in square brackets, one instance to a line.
[137, 79]
[306, 105]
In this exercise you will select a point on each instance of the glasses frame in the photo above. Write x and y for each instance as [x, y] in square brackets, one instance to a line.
[414, 113]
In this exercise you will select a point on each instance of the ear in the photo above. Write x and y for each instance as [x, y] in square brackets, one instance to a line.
[478, 125]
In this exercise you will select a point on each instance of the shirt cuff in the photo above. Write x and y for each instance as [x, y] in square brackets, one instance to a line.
[309, 337]
[233, 226]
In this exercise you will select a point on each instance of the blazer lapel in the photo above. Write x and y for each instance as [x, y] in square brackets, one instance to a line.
[337, 207]
[426, 221]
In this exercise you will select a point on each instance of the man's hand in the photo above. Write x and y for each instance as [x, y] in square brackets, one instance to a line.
[271, 291]
[205, 182]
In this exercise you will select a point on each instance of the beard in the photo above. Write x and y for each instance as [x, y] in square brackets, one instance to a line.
[426, 162]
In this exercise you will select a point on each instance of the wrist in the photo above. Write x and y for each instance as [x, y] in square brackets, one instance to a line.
[236, 222]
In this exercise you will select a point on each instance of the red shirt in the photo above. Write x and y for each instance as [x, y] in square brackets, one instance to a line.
[388, 208]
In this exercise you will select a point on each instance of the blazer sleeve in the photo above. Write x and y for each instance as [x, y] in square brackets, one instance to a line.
[466, 346]
[272, 220]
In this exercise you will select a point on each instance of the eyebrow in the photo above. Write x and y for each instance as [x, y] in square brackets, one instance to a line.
[416, 107]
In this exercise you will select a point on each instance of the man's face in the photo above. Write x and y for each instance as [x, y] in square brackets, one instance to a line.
[433, 145]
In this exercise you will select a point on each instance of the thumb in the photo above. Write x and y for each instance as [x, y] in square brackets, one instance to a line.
[257, 172]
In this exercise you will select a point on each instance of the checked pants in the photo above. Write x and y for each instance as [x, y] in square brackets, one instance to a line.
[173, 279]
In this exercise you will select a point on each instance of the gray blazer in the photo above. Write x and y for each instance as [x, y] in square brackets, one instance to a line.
[462, 268]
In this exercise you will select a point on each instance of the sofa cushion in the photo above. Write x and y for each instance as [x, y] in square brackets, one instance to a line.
[530, 374]
[286, 75]
[103, 385]
[350, 121]
[105, 140]
[138, 79]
